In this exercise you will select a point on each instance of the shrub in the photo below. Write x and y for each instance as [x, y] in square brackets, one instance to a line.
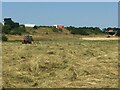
[84, 30]
[35, 27]
[6, 29]
[81, 32]
[18, 31]
[118, 33]
[57, 30]
[4, 38]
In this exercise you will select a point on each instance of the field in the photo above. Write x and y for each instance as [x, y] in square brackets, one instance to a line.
[64, 62]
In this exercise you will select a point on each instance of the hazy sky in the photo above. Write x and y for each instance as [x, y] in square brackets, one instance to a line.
[0, 11]
[60, 0]
[102, 14]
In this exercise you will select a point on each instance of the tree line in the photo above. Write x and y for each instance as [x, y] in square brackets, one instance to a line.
[85, 30]
[14, 28]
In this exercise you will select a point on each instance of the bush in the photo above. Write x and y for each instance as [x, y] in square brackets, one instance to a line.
[81, 32]
[35, 27]
[57, 30]
[118, 33]
[4, 38]
[6, 29]
[11, 27]
[18, 31]
[84, 30]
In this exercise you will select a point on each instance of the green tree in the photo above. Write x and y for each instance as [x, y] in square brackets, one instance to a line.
[16, 25]
[6, 29]
[4, 38]
[84, 30]
[57, 30]
[35, 27]
[18, 31]
[9, 22]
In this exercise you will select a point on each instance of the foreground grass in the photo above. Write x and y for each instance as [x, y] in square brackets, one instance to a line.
[62, 63]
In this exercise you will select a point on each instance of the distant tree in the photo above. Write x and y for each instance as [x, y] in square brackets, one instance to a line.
[16, 25]
[118, 33]
[57, 30]
[6, 29]
[84, 30]
[11, 27]
[104, 30]
[109, 28]
[7, 19]
[18, 31]
[35, 27]
[9, 22]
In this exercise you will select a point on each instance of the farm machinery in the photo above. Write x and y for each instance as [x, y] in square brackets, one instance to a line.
[111, 33]
[27, 39]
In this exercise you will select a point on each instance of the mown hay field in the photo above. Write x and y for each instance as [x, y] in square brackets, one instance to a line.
[66, 63]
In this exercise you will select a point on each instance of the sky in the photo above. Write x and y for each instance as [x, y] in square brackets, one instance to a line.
[119, 14]
[0, 11]
[60, 0]
[91, 14]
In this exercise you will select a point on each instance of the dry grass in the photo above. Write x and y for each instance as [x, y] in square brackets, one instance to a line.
[100, 38]
[0, 65]
[63, 63]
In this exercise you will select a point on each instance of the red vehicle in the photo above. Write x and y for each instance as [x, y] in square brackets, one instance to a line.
[59, 26]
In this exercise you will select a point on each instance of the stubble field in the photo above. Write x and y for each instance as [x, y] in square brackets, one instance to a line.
[65, 63]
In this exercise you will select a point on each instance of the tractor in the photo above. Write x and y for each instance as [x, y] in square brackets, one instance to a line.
[111, 33]
[27, 39]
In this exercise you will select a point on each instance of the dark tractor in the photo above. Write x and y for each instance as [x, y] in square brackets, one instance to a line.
[27, 39]
[111, 33]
